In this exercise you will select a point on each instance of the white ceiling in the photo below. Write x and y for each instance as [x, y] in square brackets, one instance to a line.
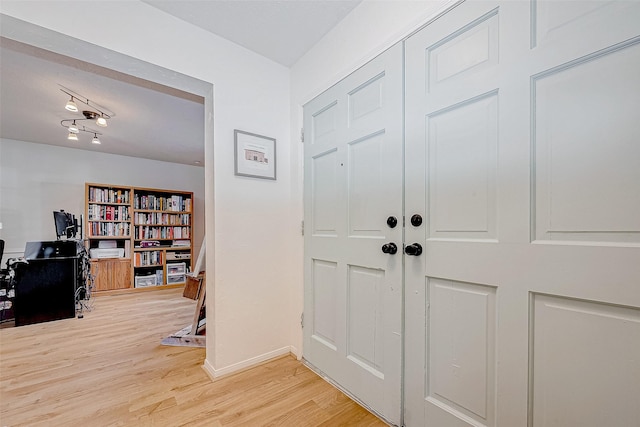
[282, 30]
[151, 121]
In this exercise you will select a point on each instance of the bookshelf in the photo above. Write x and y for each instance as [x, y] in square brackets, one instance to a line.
[138, 238]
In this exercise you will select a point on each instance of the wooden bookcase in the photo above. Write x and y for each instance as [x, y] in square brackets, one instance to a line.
[138, 238]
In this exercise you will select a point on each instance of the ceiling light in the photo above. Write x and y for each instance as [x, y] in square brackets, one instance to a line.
[71, 106]
[99, 118]
[73, 128]
[96, 113]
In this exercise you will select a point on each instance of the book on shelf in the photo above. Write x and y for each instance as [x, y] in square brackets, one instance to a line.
[161, 218]
[173, 203]
[161, 232]
[143, 259]
[98, 212]
[108, 195]
[109, 229]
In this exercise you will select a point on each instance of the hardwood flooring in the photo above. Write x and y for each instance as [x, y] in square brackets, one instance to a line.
[109, 369]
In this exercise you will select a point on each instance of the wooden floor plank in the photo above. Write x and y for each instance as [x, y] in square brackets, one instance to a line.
[109, 369]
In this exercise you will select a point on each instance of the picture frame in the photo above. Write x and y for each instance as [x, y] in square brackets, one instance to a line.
[255, 155]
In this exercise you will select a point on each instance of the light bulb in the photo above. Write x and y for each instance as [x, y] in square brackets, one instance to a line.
[73, 128]
[101, 122]
[71, 106]
[95, 140]
[72, 136]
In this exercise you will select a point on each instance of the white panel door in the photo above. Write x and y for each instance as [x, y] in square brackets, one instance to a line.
[353, 185]
[523, 160]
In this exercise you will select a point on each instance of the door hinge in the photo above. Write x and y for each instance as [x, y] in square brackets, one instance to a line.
[302, 227]
[302, 320]
[301, 134]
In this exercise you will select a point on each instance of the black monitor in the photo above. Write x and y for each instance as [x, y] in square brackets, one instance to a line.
[66, 224]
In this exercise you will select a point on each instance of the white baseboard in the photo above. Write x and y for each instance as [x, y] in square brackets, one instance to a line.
[248, 363]
[209, 369]
[296, 353]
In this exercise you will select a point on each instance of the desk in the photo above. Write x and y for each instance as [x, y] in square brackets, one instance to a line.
[46, 287]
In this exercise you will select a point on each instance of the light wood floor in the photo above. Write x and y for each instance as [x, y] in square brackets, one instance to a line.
[109, 369]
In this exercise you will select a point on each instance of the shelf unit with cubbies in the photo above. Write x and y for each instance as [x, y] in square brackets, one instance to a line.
[137, 236]
[162, 222]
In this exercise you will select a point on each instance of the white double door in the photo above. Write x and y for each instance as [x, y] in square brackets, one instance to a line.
[521, 157]
[353, 186]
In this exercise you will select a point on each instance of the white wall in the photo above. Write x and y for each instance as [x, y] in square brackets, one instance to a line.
[257, 281]
[36, 179]
[250, 232]
[371, 28]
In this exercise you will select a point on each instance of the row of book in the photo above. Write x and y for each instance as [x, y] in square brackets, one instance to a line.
[162, 218]
[108, 195]
[149, 232]
[110, 229]
[108, 213]
[159, 203]
[142, 259]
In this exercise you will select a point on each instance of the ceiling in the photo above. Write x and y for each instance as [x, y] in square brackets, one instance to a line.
[32, 107]
[281, 30]
[150, 120]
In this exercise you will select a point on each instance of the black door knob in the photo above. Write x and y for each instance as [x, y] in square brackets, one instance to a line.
[392, 221]
[414, 249]
[389, 248]
[416, 220]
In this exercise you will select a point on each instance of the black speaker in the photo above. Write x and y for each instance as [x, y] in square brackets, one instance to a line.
[45, 290]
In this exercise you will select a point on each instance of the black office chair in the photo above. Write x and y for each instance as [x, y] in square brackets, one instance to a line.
[8, 272]
[4, 284]
[3, 271]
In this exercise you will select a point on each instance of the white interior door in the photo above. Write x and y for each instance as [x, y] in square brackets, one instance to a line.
[523, 158]
[353, 184]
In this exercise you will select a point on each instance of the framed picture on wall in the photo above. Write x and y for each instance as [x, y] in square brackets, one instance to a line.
[255, 155]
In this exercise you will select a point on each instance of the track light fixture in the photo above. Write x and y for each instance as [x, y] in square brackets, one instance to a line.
[73, 128]
[92, 115]
[71, 106]
[94, 112]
